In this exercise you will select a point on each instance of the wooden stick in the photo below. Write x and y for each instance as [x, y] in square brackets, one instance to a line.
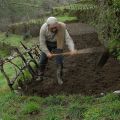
[84, 51]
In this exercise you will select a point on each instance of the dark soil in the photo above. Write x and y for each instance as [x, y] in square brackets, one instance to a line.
[81, 76]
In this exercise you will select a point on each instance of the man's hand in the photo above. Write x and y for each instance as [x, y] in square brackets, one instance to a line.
[49, 55]
[73, 52]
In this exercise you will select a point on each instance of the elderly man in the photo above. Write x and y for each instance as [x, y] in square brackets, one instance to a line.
[53, 35]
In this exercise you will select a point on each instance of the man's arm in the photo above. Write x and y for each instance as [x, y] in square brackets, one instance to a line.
[43, 46]
[69, 41]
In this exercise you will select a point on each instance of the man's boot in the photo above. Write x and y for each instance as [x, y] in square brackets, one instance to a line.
[59, 74]
[41, 73]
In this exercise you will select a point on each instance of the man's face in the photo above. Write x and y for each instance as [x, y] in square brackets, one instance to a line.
[53, 28]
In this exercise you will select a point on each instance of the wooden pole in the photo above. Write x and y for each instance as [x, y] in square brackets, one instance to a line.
[102, 59]
[5, 75]
[84, 51]
[30, 54]
[30, 69]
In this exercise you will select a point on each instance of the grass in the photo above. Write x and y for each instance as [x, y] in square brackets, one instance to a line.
[66, 18]
[30, 108]
[25, 107]
[76, 111]
[54, 100]
[4, 53]
[14, 40]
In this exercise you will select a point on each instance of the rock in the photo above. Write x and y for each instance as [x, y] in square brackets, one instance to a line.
[102, 94]
[117, 92]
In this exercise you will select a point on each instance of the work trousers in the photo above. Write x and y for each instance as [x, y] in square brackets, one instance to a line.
[52, 47]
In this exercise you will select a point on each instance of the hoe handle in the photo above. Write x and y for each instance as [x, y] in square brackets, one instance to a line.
[84, 51]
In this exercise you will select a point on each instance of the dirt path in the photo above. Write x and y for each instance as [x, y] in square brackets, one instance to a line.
[80, 73]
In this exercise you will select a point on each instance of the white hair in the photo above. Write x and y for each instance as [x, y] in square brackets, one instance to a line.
[51, 20]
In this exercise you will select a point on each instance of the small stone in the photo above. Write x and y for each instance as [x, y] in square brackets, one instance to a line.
[117, 92]
[19, 88]
[102, 94]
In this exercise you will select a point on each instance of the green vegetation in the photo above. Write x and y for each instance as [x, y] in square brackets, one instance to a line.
[75, 107]
[4, 53]
[13, 8]
[30, 107]
[7, 43]
[106, 21]
[72, 9]
[67, 19]
[82, 10]
[12, 40]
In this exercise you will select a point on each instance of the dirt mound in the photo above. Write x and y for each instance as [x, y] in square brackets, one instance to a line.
[80, 73]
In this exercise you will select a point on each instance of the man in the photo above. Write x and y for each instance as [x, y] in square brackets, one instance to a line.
[53, 35]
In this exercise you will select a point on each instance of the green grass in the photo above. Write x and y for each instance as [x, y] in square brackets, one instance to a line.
[30, 107]
[4, 53]
[13, 40]
[16, 107]
[54, 100]
[76, 111]
[66, 18]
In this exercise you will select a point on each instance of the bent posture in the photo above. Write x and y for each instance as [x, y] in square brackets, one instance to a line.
[53, 36]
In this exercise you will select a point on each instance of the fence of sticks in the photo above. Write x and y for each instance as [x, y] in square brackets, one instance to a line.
[34, 56]
[32, 53]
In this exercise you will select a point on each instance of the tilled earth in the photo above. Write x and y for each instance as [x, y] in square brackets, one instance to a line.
[81, 75]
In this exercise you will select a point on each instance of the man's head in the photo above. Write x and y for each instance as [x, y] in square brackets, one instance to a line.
[52, 23]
